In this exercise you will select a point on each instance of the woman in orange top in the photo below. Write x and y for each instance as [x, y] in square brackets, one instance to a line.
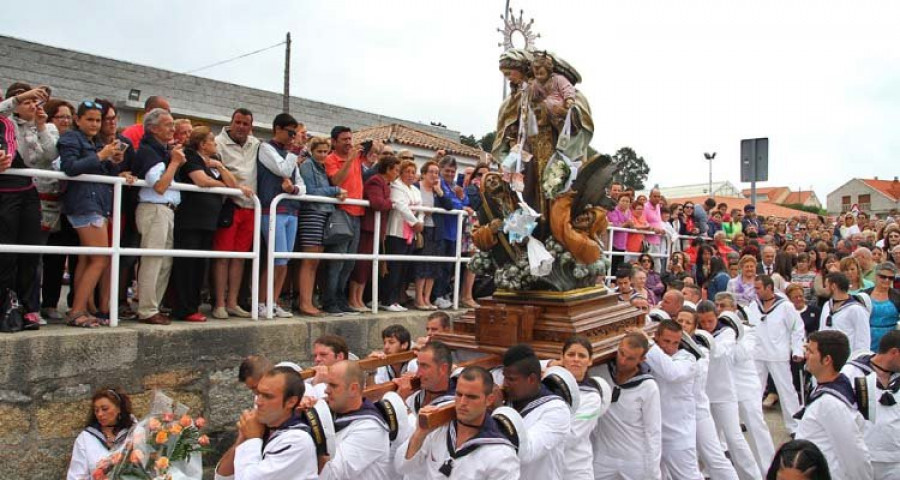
[635, 241]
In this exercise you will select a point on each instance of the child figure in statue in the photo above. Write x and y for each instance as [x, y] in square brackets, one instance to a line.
[555, 90]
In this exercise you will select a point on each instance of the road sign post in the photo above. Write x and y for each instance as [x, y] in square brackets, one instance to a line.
[754, 163]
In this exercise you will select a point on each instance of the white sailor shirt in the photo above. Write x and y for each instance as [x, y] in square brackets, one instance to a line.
[675, 377]
[779, 331]
[632, 426]
[90, 447]
[386, 373]
[700, 380]
[362, 447]
[579, 451]
[720, 386]
[882, 435]
[744, 373]
[288, 454]
[547, 422]
[479, 458]
[832, 422]
[852, 318]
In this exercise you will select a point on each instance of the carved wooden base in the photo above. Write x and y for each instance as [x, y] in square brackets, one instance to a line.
[545, 320]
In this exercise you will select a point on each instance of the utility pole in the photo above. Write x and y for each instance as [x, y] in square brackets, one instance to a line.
[286, 97]
[709, 158]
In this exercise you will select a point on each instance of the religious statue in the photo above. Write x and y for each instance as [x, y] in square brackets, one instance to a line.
[542, 214]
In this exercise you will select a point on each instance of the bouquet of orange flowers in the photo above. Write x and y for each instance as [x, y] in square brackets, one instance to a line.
[166, 445]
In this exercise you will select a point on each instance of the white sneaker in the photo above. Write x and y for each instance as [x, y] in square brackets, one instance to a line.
[443, 303]
[394, 308]
[261, 310]
[282, 313]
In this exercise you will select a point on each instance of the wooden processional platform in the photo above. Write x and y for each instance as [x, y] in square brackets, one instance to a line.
[545, 320]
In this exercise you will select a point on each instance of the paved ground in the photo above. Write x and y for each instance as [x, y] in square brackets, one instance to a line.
[776, 425]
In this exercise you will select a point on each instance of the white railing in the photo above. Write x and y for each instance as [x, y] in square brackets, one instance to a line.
[375, 257]
[662, 255]
[115, 250]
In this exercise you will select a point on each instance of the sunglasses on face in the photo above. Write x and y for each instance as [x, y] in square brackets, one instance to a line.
[885, 277]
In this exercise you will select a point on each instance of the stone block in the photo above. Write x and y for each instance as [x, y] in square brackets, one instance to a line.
[62, 419]
[170, 379]
[355, 331]
[44, 460]
[14, 424]
[226, 398]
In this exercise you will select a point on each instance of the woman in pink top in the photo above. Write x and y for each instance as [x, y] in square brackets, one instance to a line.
[635, 241]
[620, 217]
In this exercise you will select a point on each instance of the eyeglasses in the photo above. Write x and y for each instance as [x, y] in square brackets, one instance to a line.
[91, 105]
[688, 207]
[885, 277]
[63, 118]
[407, 158]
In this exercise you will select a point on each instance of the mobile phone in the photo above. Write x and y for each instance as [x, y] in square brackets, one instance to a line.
[122, 146]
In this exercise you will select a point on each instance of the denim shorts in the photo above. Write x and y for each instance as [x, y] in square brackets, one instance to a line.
[90, 219]
[285, 234]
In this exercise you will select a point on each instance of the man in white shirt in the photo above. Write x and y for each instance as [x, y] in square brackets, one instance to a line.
[239, 150]
[433, 364]
[547, 416]
[273, 443]
[362, 443]
[155, 214]
[675, 370]
[470, 446]
[831, 419]
[721, 390]
[327, 350]
[846, 313]
[627, 439]
[746, 383]
[779, 339]
[882, 375]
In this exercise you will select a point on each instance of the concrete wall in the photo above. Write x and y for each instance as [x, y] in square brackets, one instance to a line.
[77, 76]
[47, 377]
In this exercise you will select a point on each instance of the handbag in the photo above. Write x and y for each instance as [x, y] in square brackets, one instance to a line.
[11, 317]
[337, 228]
[226, 215]
[419, 241]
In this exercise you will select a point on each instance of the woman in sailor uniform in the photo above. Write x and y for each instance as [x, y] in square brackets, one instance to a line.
[108, 424]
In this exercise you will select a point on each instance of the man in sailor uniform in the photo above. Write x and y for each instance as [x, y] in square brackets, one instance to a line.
[846, 313]
[470, 446]
[546, 415]
[273, 442]
[362, 443]
[779, 339]
[831, 419]
[395, 339]
[675, 370]
[327, 350]
[709, 447]
[627, 440]
[721, 390]
[434, 363]
[879, 394]
[746, 382]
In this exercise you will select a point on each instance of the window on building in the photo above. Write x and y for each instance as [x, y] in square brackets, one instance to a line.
[865, 202]
[845, 203]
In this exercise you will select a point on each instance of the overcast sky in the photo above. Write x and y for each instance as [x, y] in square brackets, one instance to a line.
[670, 79]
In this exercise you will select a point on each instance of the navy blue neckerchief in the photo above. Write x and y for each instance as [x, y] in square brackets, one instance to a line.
[390, 370]
[642, 376]
[544, 396]
[851, 300]
[588, 384]
[759, 305]
[367, 410]
[294, 423]
[444, 397]
[95, 431]
[489, 434]
[839, 388]
[864, 364]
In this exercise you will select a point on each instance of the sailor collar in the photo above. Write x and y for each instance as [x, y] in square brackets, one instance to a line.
[839, 388]
[390, 370]
[444, 397]
[488, 434]
[544, 396]
[849, 302]
[368, 410]
[777, 303]
[296, 422]
[633, 382]
[95, 431]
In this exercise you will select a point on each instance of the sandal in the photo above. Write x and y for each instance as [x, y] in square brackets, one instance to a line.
[81, 319]
[102, 318]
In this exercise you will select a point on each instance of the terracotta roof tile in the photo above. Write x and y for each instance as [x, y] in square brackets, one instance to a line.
[891, 188]
[763, 209]
[797, 197]
[396, 133]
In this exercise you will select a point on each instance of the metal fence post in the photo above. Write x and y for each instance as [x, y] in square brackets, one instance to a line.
[115, 260]
[376, 243]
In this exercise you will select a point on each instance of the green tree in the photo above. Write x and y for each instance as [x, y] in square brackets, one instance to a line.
[468, 140]
[633, 170]
[487, 141]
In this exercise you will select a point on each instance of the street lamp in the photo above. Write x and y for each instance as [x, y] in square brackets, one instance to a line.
[709, 158]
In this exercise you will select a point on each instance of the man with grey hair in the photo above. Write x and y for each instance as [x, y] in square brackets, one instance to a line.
[155, 215]
[866, 263]
[767, 265]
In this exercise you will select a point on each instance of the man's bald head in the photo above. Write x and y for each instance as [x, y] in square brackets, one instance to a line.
[672, 302]
[864, 256]
[349, 372]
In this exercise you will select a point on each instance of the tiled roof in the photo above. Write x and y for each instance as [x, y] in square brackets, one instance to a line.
[763, 209]
[772, 193]
[891, 188]
[404, 135]
[798, 197]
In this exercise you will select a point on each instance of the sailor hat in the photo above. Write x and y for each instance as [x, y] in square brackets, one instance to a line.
[658, 315]
[606, 393]
[706, 340]
[734, 321]
[561, 382]
[321, 425]
[511, 425]
[395, 414]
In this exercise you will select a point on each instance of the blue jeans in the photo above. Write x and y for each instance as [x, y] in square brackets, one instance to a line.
[285, 234]
[338, 271]
[443, 284]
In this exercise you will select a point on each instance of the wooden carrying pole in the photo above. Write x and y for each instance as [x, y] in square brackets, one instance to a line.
[375, 392]
[371, 363]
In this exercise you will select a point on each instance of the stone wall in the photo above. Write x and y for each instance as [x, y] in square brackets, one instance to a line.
[47, 377]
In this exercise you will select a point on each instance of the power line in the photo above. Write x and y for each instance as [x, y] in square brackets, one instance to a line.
[234, 58]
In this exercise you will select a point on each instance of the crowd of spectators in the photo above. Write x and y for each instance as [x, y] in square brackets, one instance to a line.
[51, 134]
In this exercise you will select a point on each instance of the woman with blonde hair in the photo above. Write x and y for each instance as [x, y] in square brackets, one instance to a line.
[850, 267]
